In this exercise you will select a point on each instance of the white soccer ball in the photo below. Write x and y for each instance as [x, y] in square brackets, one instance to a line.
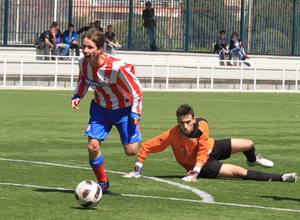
[88, 193]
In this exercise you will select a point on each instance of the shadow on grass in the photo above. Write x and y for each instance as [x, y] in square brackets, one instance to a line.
[55, 190]
[281, 198]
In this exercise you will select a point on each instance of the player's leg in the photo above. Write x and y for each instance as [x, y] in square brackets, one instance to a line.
[230, 170]
[247, 147]
[97, 131]
[129, 131]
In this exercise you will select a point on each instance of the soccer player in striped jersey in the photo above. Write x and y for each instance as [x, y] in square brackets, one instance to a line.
[200, 155]
[117, 101]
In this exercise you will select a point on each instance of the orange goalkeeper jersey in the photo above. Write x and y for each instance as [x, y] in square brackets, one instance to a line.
[187, 150]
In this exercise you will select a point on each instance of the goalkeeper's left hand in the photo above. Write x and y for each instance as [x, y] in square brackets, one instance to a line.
[190, 177]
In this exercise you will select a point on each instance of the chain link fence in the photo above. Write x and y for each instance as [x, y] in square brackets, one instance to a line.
[269, 27]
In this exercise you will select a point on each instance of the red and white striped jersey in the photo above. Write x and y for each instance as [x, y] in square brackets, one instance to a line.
[114, 83]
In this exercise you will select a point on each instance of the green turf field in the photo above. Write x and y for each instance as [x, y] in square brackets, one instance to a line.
[41, 126]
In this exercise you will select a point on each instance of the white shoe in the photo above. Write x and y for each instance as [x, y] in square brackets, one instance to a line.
[132, 174]
[290, 177]
[261, 161]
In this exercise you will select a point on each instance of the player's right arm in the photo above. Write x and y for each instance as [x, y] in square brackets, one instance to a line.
[154, 145]
[81, 88]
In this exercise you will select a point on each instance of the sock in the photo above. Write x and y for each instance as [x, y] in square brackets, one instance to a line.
[250, 155]
[98, 168]
[261, 176]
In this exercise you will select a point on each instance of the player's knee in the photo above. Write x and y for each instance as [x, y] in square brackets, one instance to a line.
[131, 149]
[238, 172]
[130, 152]
[249, 143]
[93, 146]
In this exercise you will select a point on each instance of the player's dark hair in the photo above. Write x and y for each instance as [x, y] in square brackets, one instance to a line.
[183, 110]
[96, 36]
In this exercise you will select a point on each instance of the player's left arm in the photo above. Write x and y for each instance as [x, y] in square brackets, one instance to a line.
[202, 154]
[133, 87]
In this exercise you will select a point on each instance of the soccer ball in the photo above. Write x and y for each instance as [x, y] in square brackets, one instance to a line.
[88, 193]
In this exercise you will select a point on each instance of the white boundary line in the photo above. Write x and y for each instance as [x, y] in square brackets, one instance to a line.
[203, 195]
[194, 190]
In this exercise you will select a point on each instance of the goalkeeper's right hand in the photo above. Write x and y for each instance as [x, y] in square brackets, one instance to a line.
[136, 173]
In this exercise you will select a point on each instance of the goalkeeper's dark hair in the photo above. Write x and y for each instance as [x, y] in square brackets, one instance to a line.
[183, 110]
[96, 36]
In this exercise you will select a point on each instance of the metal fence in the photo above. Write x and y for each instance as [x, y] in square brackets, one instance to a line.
[265, 26]
[159, 73]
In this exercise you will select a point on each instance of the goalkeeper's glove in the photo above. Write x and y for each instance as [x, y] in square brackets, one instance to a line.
[136, 173]
[191, 176]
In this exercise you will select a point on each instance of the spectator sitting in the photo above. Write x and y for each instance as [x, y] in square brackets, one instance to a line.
[236, 48]
[98, 26]
[47, 40]
[60, 48]
[111, 43]
[221, 47]
[86, 28]
[70, 38]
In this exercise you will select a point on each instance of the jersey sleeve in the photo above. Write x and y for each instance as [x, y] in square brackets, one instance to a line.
[155, 145]
[133, 87]
[82, 86]
[203, 144]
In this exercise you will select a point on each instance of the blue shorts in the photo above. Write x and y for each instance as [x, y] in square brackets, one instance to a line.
[102, 120]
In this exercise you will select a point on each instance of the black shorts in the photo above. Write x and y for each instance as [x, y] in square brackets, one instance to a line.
[221, 151]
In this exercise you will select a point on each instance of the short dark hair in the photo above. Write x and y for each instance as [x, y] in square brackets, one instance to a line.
[183, 110]
[148, 3]
[109, 26]
[54, 23]
[222, 32]
[96, 36]
[71, 25]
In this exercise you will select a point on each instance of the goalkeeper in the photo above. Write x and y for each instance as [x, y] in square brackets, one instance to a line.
[200, 155]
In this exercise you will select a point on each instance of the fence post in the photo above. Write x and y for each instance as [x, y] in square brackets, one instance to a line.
[72, 73]
[152, 75]
[70, 12]
[22, 71]
[296, 80]
[255, 76]
[55, 11]
[187, 25]
[212, 73]
[168, 74]
[56, 72]
[5, 70]
[283, 76]
[198, 75]
[5, 31]
[242, 75]
[242, 19]
[293, 44]
[130, 22]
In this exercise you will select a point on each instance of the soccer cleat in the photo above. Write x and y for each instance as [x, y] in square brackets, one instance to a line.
[261, 161]
[104, 186]
[289, 177]
[132, 174]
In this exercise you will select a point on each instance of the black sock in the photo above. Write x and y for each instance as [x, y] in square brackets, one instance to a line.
[250, 155]
[261, 176]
